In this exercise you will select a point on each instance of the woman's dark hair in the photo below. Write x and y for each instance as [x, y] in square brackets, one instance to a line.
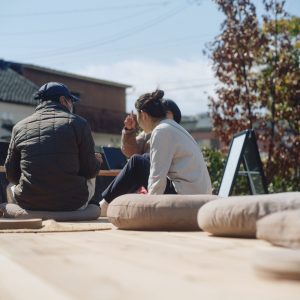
[171, 106]
[151, 103]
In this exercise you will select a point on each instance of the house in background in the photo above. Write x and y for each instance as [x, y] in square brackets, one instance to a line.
[200, 127]
[16, 99]
[102, 103]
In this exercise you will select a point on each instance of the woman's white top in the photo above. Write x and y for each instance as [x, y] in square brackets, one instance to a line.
[175, 154]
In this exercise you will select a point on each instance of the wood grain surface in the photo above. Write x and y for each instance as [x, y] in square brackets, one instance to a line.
[116, 264]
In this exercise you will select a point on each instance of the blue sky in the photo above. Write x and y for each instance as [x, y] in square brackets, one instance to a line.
[146, 44]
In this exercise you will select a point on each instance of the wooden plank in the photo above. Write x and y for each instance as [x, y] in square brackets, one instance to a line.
[20, 283]
[101, 173]
[118, 264]
[109, 172]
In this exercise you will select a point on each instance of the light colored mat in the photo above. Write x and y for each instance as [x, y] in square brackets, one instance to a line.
[53, 226]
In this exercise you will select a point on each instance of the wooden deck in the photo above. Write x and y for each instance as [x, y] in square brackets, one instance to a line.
[115, 264]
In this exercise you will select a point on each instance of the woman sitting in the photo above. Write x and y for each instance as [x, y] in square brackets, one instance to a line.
[176, 164]
[140, 144]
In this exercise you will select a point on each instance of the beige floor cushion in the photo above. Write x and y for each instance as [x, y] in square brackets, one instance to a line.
[157, 212]
[237, 215]
[278, 263]
[10, 210]
[282, 228]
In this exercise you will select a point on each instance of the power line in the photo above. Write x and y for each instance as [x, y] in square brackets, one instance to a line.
[190, 80]
[116, 20]
[119, 36]
[154, 44]
[86, 10]
[189, 87]
[135, 92]
[157, 44]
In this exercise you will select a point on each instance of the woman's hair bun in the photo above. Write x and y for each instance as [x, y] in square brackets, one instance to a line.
[151, 103]
[157, 95]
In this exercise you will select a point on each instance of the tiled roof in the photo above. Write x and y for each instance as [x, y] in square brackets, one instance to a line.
[15, 88]
[72, 75]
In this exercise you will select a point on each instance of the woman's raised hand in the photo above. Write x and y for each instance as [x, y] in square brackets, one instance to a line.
[130, 122]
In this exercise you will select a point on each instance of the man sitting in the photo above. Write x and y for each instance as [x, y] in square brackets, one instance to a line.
[51, 156]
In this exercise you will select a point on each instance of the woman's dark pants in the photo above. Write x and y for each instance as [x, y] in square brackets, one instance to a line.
[134, 175]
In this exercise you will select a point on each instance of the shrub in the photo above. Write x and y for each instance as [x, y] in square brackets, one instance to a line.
[215, 161]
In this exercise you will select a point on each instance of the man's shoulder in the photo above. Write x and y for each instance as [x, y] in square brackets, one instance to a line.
[70, 118]
[21, 124]
[78, 120]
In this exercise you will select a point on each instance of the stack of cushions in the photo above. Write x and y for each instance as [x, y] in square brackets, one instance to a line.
[272, 217]
[10, 210]
[280, 263]
[236, 216]
[157, 212]
[280, 229]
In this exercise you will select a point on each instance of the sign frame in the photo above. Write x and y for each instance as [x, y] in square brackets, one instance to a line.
[240, 146]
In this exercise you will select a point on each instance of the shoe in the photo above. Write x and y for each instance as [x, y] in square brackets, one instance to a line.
[103, 207]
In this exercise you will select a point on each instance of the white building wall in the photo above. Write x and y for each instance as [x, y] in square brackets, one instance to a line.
[104, 139]
[13, 113]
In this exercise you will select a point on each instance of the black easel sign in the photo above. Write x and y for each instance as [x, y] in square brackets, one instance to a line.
[243, 149]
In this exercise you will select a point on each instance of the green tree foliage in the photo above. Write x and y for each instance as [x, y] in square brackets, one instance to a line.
[279, 86]
[258, 70]
[215, 161]
[290, 25]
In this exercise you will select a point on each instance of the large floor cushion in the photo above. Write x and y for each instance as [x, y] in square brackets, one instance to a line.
[157, 212]
[278, 263]
[282, 229]
[10, 210]
[236, 216]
